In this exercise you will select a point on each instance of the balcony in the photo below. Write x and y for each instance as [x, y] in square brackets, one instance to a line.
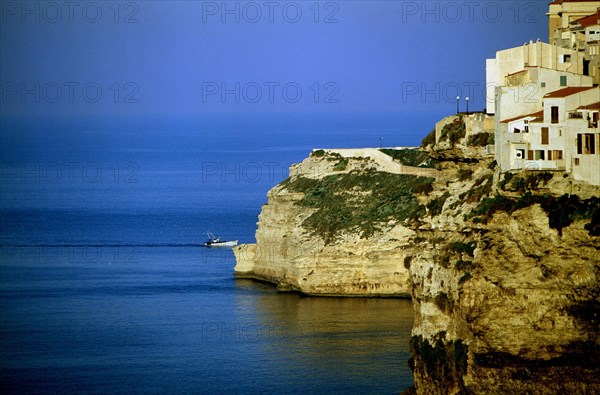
[515, 137]
[575, 115]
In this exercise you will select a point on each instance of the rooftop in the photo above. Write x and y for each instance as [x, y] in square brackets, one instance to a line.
[595, 106]
[571, 1]
[534, 115]
[568, 91]
[589, 20]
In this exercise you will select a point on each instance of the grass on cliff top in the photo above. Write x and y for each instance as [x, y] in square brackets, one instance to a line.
[359, 201]
[411, 157]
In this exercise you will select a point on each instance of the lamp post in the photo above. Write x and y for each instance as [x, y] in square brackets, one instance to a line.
[457, 102]
[467, 105]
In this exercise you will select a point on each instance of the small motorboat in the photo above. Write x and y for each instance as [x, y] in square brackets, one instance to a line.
[215, 241]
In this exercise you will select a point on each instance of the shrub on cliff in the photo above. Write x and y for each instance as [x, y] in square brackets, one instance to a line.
[528, 181]
[562, 211]
[359, 201]
[411, 157]
[444, 361]
[429, 139]
[436, 205]
[453, 131]
[480, 139]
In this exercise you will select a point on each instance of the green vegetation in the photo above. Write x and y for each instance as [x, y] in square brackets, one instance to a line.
[318, 153]
[411, 157]
[443, 361]
[435, 206]
[464, 265]
[460, 247]
[529, 181]
[562, 211]
[480, 139]
[453, 131]
[464, 174]
[465, 277]
[341, 165]
[359, 202]
[429, 139]
[482, 187]
[505, 180]
[443, 301]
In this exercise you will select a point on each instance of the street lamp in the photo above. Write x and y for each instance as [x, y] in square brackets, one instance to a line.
[457, 101]
[467, 105]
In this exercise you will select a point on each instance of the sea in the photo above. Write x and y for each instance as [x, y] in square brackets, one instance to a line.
[104, 284]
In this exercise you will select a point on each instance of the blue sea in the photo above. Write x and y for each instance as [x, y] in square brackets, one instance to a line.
[104, 286]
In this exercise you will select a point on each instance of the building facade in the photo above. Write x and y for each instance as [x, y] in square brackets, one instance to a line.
[546, 98]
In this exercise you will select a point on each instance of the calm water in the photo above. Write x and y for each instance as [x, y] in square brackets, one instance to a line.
[104, 289]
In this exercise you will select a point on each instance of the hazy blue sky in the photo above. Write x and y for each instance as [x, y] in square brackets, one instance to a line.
[176, 57]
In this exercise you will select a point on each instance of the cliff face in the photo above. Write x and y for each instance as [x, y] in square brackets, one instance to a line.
[292, 251]
[505, 283]
[503, 269]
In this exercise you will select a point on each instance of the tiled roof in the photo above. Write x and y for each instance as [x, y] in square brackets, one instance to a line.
[534, 115]
[572, 1]
[568, 91]
[595, 106]
[589, 20]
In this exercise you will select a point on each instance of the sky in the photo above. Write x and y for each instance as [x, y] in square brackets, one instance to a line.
[224, 58]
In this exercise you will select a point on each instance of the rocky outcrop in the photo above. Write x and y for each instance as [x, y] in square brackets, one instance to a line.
[293, 256]
[509, 306]
[505, 281]
[503, 269]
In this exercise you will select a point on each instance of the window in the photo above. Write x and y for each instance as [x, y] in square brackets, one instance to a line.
[519, 153]
[554, 154]
[516, 130]
[586, 144]
[543, 84]
[589, 144]
[554, 114]
[539, 154]
[576, 161]
[563, 80]
[544, 136]
[529, 154]
[566, 58]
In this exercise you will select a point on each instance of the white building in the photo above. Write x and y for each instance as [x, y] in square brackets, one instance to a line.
[564, 135]
[562, 13]
[539, 56]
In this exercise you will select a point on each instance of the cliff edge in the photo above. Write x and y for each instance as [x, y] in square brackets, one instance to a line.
[337, 225]
[502, 268]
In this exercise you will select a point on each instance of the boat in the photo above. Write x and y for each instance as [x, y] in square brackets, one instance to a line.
[215, 241]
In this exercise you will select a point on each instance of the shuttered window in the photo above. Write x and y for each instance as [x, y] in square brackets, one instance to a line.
[579, 144]
[589, 146]
[530, 155]
[554, 114]
[545, 136]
